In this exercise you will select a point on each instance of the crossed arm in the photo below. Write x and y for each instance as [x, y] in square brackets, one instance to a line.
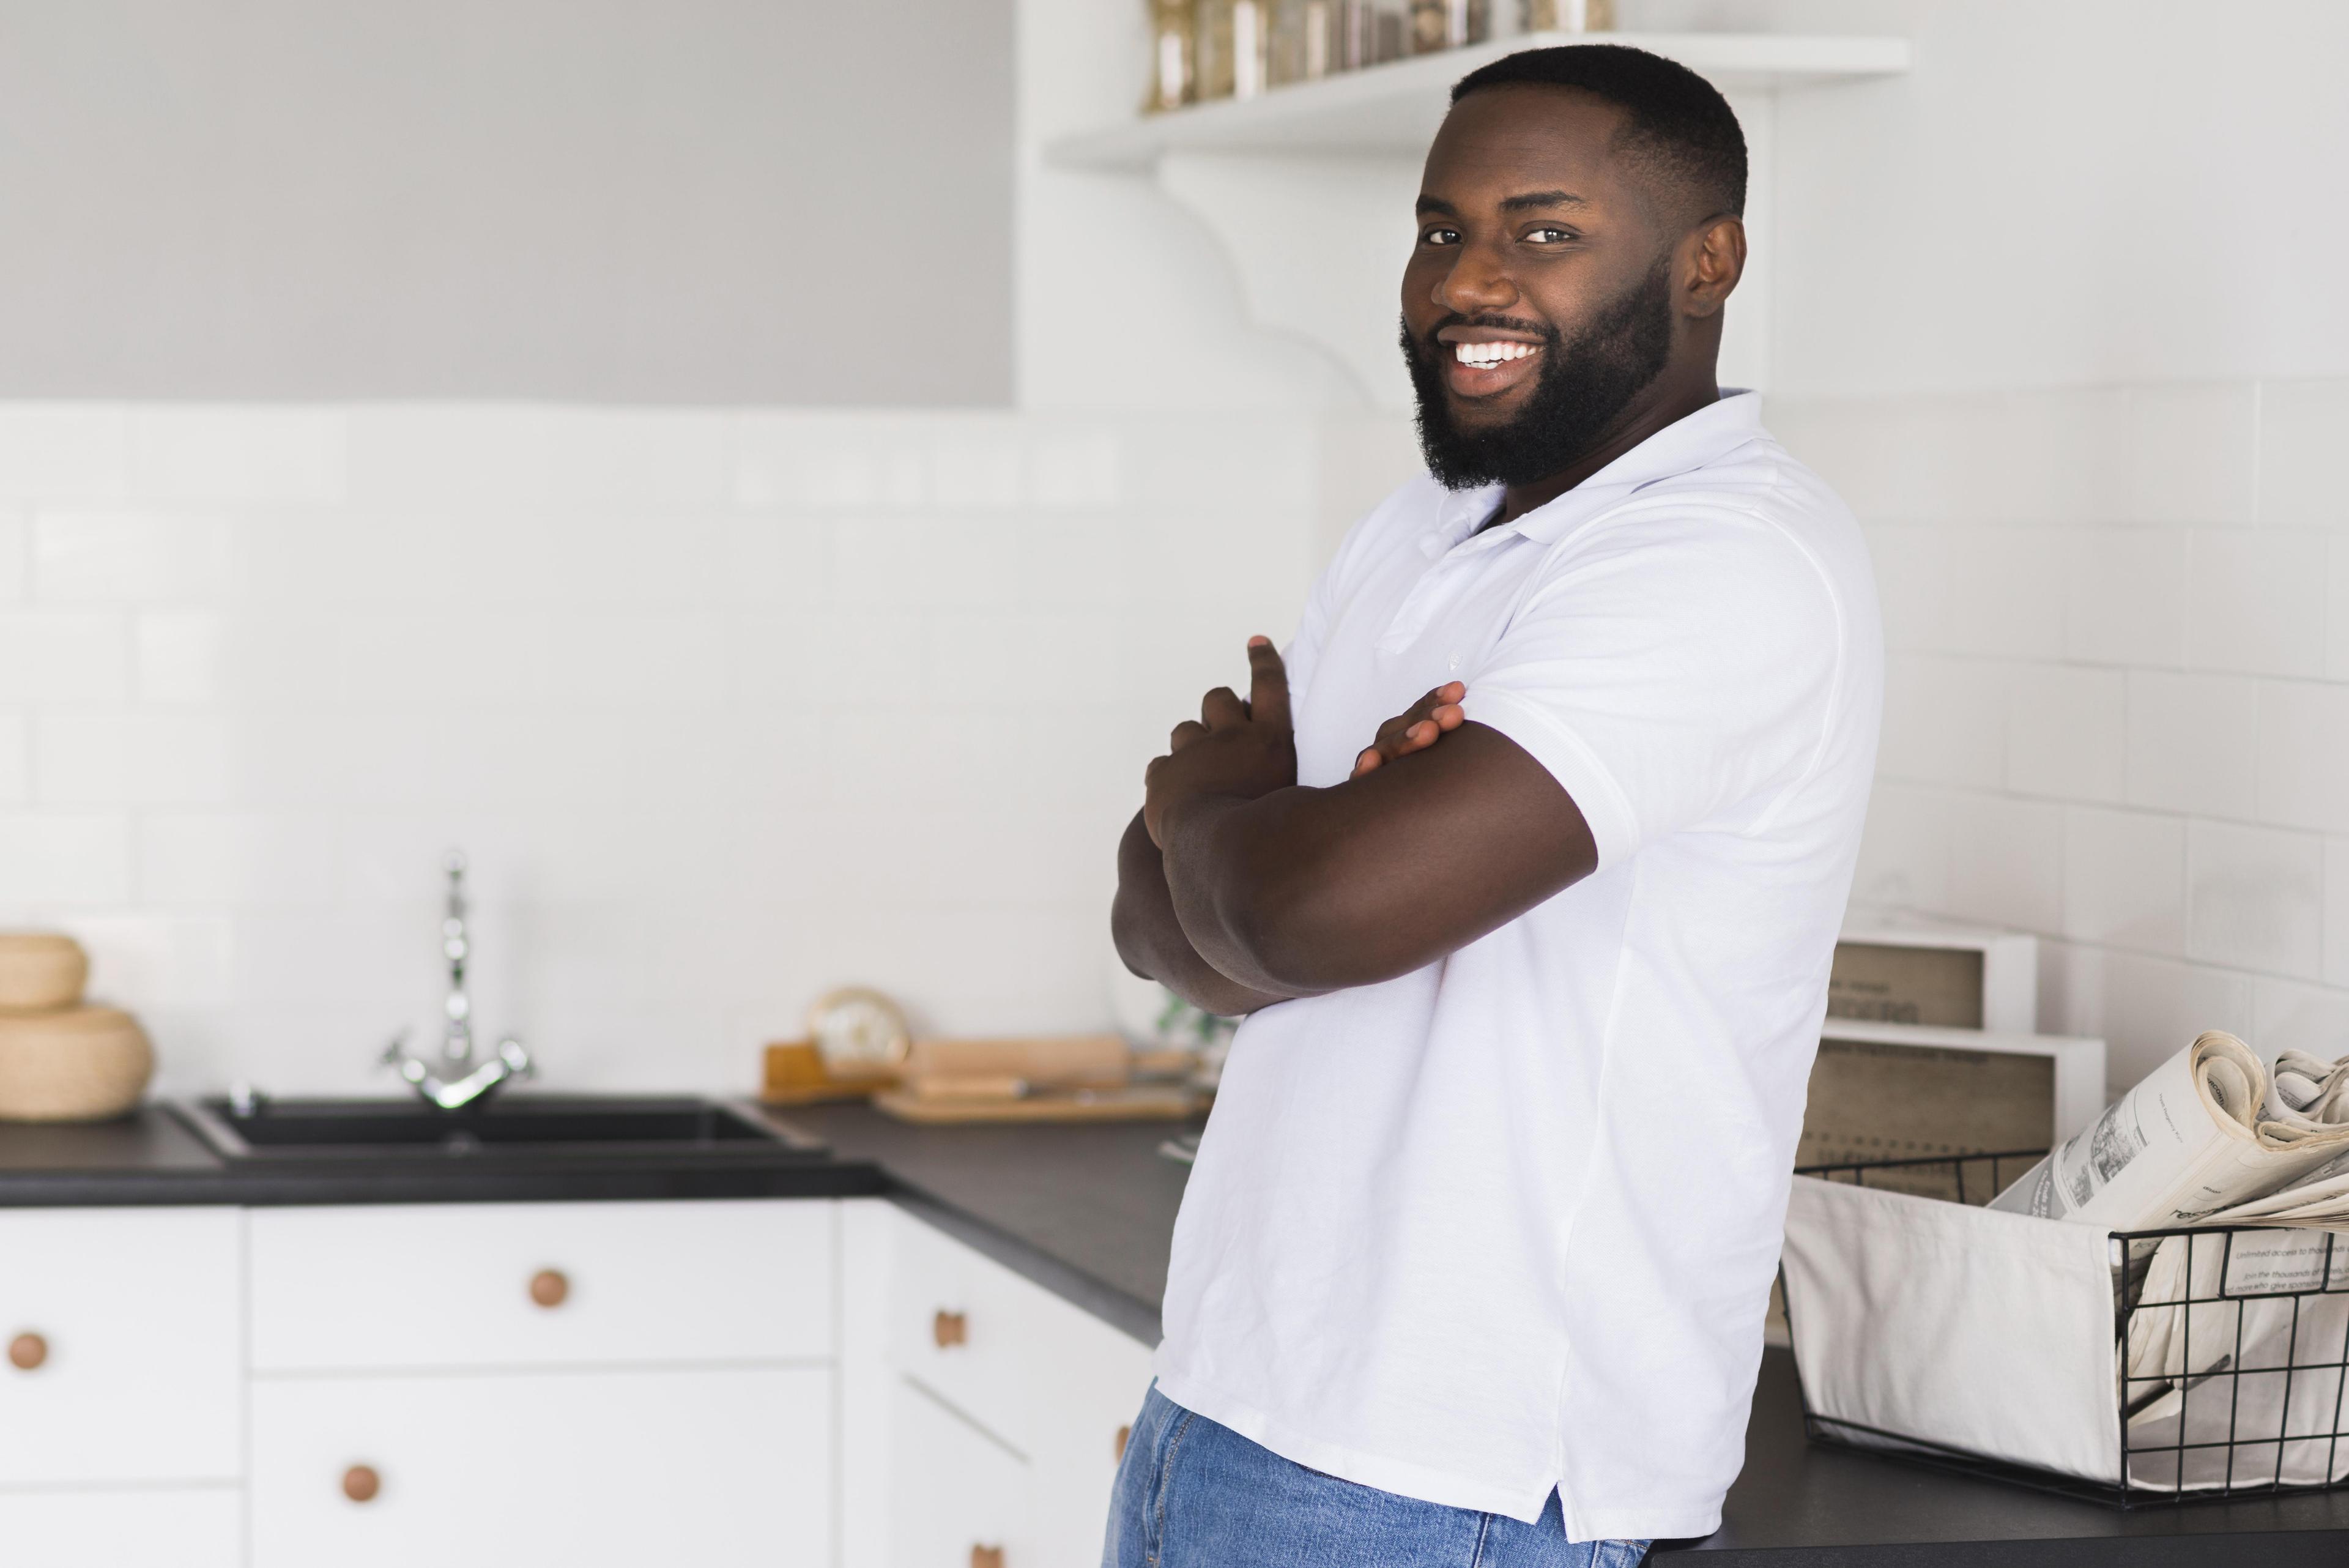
[1238, 888]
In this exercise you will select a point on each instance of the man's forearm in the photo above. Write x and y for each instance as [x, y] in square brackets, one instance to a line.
[1150, 937]
[1305, 890]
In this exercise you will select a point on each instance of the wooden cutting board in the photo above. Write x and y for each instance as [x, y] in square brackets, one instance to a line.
[1157, 1102]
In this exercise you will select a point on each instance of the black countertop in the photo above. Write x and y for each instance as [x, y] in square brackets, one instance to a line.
[151, 1158]
[1087, 1210]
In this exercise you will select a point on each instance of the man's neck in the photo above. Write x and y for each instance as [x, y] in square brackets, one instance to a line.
[1666, 401]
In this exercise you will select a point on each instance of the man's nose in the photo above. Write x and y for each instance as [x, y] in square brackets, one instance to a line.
[1475, 283]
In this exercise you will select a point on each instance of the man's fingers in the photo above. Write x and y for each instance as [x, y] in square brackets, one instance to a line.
[1184, 733]
[1222, 707]
[1267, 683]
[1415, 728]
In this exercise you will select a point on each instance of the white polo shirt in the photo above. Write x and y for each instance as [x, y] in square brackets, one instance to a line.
[1509, 1222]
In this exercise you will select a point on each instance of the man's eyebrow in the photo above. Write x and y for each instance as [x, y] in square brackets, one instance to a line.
[1437, 205]
[1532, 199]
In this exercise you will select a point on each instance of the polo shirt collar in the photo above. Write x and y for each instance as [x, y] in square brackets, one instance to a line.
[1686, 444]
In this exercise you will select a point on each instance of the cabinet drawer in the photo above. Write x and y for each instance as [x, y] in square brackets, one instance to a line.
[964, 1326]
[187, 1527]
[955, 1492]
[1048, 1377]
[524, 1285]
[129, 1319]
[716, 1464]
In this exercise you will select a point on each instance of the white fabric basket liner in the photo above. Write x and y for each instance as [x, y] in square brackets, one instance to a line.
[1994, 1334]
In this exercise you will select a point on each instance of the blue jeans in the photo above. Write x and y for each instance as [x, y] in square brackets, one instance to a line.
[1193, 1494]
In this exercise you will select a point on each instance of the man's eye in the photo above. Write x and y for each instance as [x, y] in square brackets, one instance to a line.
[1550, 236]
[1440, 237]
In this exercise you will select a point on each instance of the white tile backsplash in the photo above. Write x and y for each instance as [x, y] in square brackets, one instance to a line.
[726, 706]
[2175, 751]
[130, 759]
[2336, 911]
[51, 656]
[63, 452]
[2066, 734]
[2192, 743]
[2125, 879]
[16, 556]
[164, 960]
[2303, 430]
[121, 558]
[2255, 898]
[1945, 720]
[237, 454]
[2256, 601]
[2007, 864]
[2193, 453]
[15, 762]
[2337, 612]
[2006, 591]
[240, 858]
[2126, 596]
[2304, 754]
[732, 705]
[64, 859]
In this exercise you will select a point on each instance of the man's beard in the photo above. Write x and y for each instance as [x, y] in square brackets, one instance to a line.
[1583, 385]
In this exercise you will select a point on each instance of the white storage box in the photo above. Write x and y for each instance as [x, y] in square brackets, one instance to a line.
[1947, 977]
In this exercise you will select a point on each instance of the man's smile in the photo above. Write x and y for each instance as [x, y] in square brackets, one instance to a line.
[1482, 361]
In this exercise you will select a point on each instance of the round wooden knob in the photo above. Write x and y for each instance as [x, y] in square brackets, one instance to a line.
[360, 1483]
[950, 1329]
[27, 1351]
[987, 1557]
[548, 1288]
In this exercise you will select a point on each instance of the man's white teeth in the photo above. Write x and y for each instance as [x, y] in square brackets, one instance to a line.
[1491, 353]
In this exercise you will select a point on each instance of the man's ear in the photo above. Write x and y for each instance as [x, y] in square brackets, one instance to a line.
[1713, 258]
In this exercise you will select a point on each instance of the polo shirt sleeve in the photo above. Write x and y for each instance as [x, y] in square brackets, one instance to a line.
[1678, 666]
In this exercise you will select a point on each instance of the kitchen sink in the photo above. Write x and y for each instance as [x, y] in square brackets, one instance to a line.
[516, 1129]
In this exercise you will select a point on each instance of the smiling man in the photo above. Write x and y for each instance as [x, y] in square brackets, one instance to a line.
[1527, 865]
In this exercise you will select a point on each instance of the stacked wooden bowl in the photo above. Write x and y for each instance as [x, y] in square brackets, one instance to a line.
[62, 1059]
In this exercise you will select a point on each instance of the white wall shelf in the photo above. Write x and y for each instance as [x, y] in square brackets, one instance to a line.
[1395, 109]
[1308, 188]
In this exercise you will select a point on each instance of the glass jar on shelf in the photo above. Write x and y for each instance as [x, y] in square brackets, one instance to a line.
[1568, 15]
[1304, 40]
[1231, 44]
[1172, 82]
[1438, 25]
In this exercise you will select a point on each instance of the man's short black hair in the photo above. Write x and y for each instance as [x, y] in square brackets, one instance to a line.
[1678, 122]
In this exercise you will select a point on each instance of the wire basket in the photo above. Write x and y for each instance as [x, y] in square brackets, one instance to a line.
[2230, 1349]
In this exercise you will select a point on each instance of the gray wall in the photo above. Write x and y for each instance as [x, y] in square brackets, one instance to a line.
[638, 201]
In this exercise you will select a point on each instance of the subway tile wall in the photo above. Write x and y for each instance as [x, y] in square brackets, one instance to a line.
[2117, 712]
[728, 707]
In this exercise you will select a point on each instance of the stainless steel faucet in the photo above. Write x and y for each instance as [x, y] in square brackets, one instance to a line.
[456, 1081]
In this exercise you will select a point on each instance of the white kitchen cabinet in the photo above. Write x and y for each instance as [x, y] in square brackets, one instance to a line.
[957, 1494]
[129, 1318]
[771, 1382]
[1045, 1381]
[112, 1527]
[534, 1284]
[710, 1467]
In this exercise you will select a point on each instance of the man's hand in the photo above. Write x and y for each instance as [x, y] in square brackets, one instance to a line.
[1414, 728]
[1235, 750]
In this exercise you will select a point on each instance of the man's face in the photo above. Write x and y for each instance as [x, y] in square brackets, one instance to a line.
[1538, 299]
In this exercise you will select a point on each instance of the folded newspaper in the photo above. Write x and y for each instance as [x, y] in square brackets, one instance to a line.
[2210, 1137]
